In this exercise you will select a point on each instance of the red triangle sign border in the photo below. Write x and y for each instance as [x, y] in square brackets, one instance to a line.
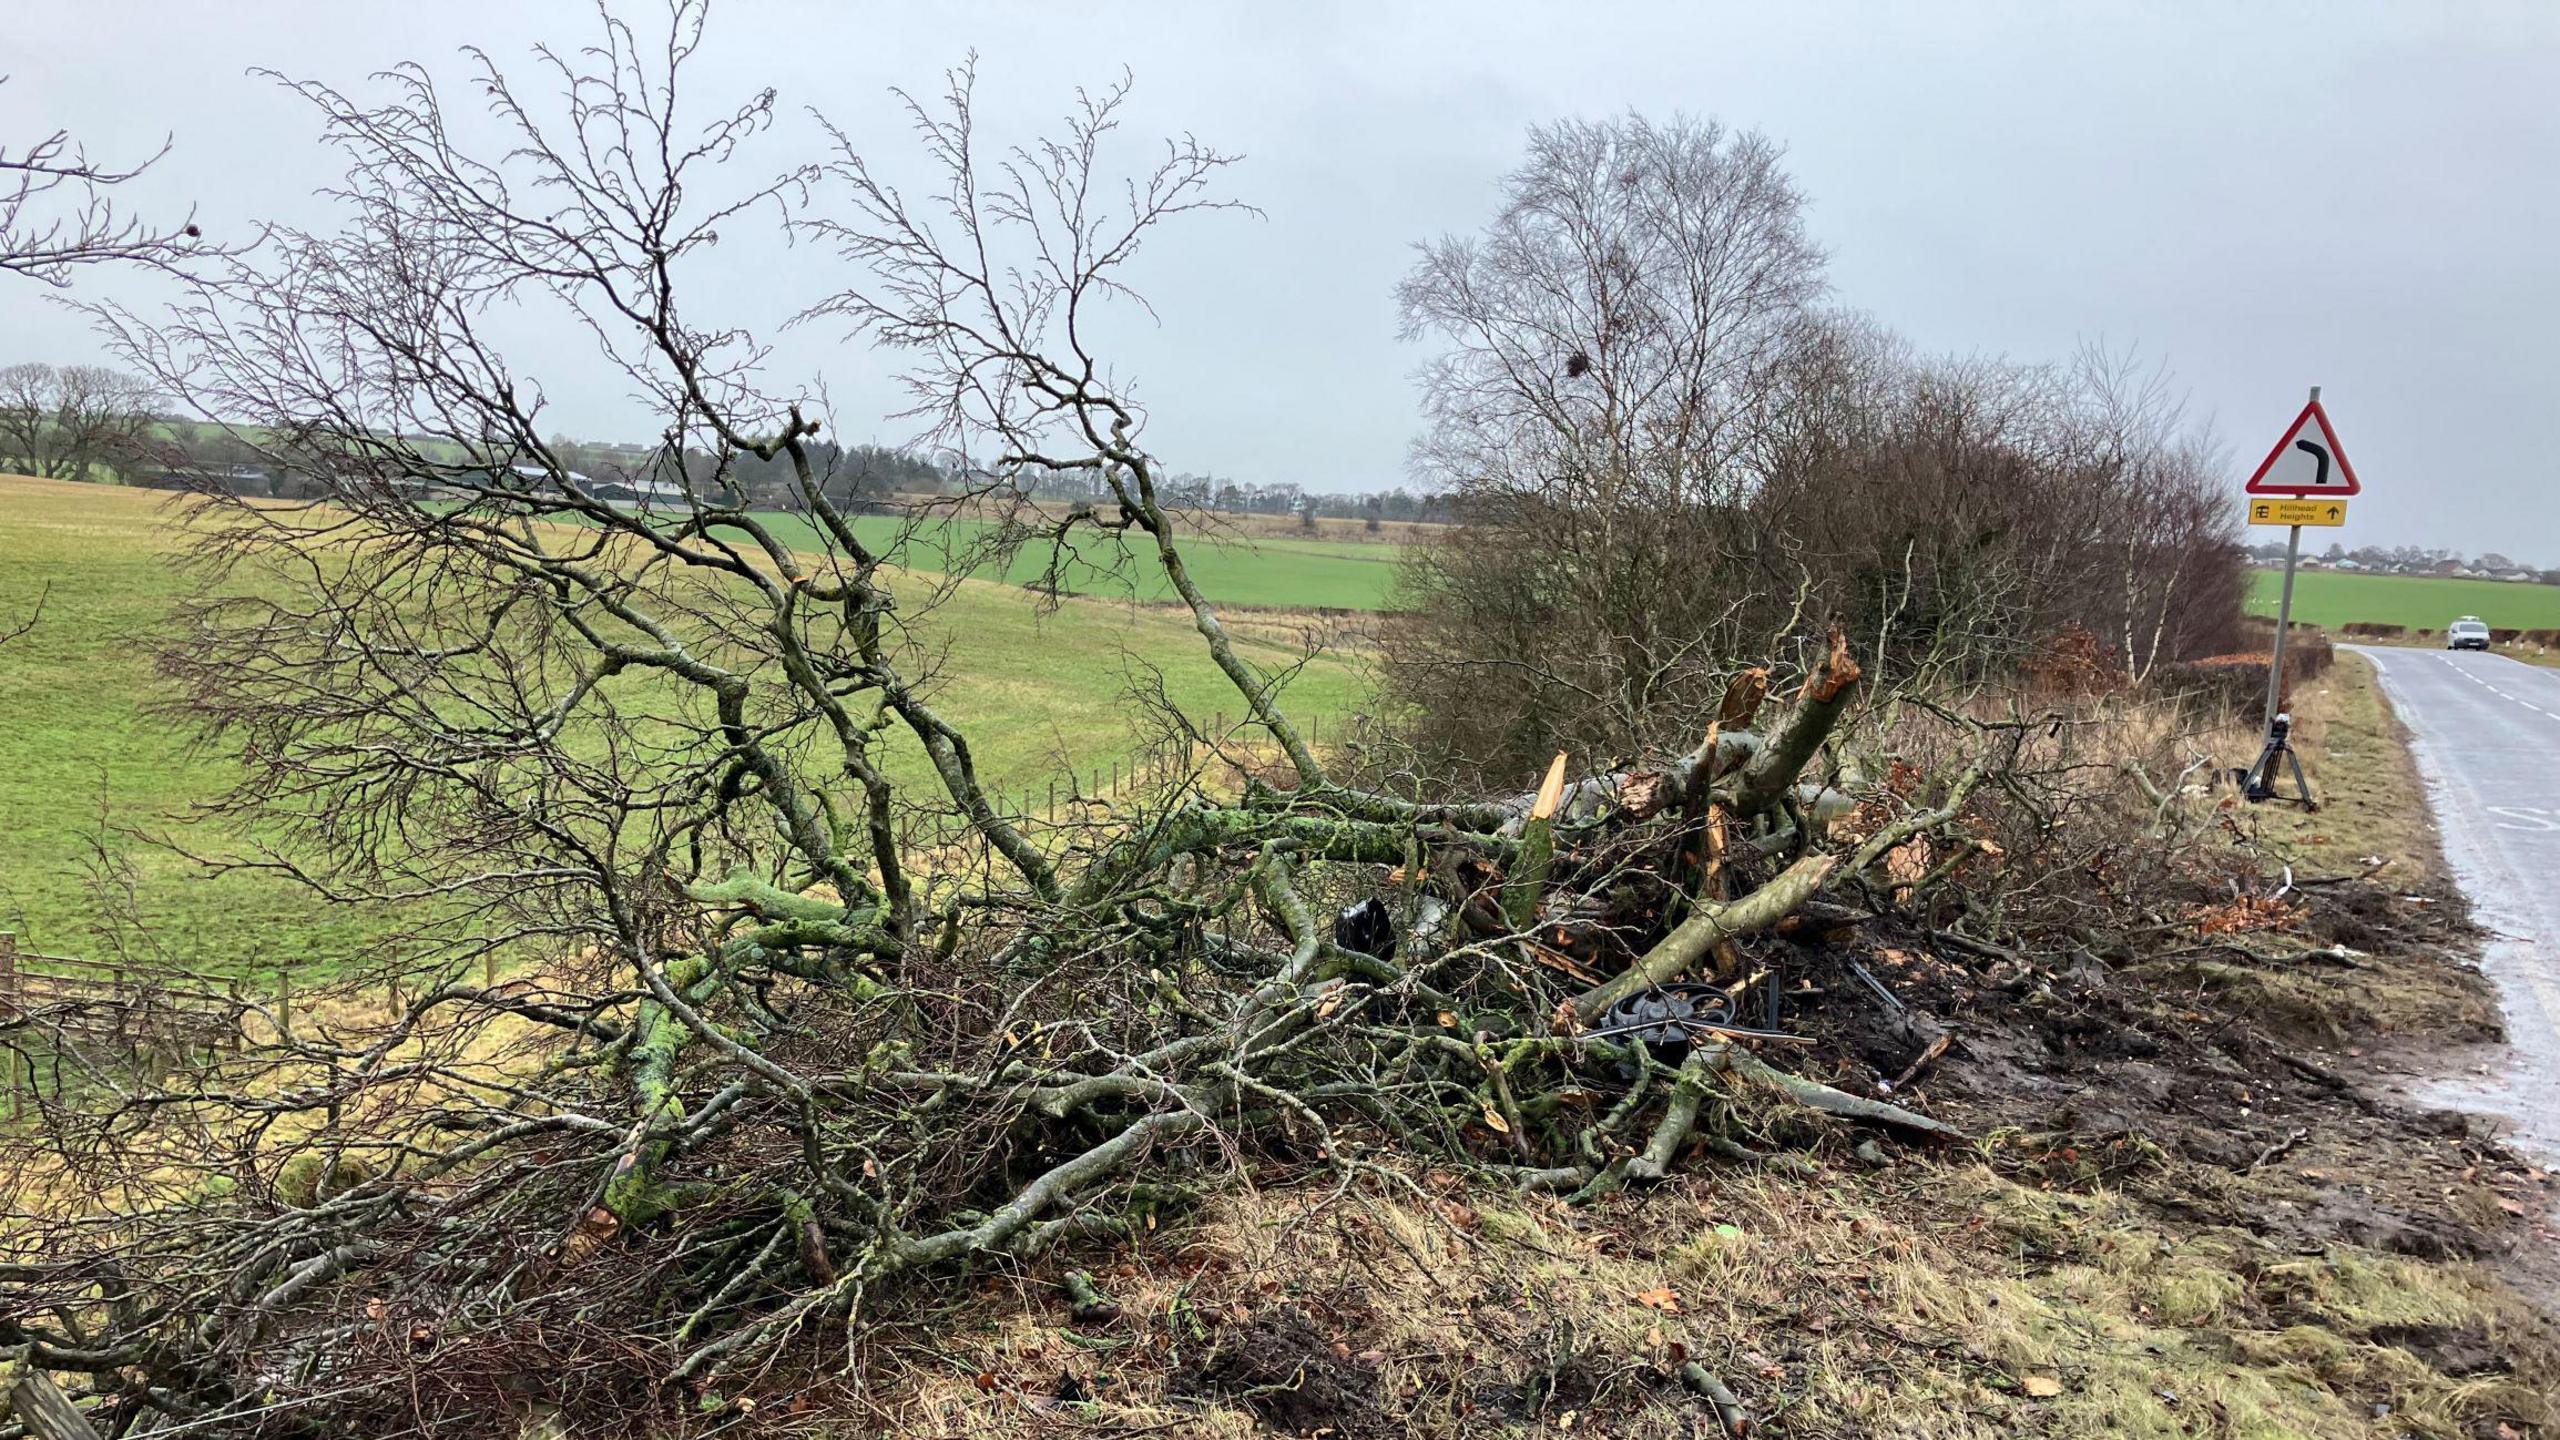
[2337, 454]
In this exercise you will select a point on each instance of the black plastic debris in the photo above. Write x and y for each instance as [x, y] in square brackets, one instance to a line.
[1665, 1017]
[1367, 928]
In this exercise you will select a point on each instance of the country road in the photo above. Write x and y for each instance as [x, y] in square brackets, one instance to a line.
[2487, 734]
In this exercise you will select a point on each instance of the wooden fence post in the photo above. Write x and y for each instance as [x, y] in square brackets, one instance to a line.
[29, 1395]
[284, 1004]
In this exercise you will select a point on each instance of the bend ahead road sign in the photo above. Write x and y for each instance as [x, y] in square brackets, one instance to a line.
[2297, 512]
[2307, 462]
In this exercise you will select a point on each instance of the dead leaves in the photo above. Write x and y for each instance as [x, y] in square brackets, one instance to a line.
[1661, 1297]
[2249, 912]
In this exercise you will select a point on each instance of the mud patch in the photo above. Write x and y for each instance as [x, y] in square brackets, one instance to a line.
[2459, 1351]
[1281, 1368]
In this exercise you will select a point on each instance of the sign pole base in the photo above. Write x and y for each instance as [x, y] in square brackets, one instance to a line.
[2259, 783]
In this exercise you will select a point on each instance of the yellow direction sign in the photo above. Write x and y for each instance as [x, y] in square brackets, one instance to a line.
[2264, 510]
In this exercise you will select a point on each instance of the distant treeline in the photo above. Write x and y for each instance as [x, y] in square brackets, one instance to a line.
[176, 453]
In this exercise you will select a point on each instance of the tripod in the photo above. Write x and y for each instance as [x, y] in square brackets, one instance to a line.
[2259, 783]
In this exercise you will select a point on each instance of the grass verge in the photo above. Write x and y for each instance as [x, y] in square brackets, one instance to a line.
[2373, 807]
[1936, 1299]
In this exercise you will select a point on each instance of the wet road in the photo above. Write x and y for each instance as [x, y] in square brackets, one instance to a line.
[2487, 734]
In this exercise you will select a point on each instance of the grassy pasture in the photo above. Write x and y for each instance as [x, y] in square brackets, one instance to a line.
[2334, 598]
[1297, 574]
[83, 758]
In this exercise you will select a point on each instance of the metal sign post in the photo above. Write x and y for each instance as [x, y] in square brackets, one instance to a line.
[2284, 611]
[2319, 447]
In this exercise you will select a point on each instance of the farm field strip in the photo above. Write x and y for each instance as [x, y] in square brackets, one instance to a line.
[2334, 598]
[1263, 572]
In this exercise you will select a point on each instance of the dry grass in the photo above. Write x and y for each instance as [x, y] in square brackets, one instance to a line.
[1936, 1300]
[2373, 812]
[2372, 805]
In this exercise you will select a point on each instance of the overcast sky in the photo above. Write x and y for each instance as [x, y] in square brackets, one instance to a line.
[2362, 196]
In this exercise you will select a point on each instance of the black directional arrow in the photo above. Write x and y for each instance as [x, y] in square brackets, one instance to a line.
[2318, 454]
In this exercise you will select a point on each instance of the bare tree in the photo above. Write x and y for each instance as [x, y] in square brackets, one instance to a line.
[1661, 455]
[67, 423]
[57, 212]
[1605, 347]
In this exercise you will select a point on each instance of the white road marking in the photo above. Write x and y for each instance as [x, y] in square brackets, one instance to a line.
[2457, 667]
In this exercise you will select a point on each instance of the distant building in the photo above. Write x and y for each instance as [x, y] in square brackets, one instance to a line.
[256, 481]
[647, 494]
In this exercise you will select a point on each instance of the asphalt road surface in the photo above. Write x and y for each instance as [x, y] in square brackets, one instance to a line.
[2487, 734]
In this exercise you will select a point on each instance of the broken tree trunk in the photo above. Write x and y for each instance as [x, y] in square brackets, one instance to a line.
[1528, 881]
[1772, 772]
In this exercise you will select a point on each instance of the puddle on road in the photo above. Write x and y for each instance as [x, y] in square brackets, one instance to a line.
[2521, 1087]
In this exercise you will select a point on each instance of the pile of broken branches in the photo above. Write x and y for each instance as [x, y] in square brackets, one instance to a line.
[752, 1001]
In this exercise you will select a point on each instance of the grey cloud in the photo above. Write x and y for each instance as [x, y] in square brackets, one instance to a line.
[2358, 196]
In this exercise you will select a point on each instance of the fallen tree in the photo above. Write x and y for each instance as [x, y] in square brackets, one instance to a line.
[749, 1001]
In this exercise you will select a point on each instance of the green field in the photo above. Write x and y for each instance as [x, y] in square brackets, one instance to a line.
[83, 760]
[1291, 574]
[2332, 598]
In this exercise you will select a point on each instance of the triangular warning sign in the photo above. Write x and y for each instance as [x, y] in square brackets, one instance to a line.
[2307, 461]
